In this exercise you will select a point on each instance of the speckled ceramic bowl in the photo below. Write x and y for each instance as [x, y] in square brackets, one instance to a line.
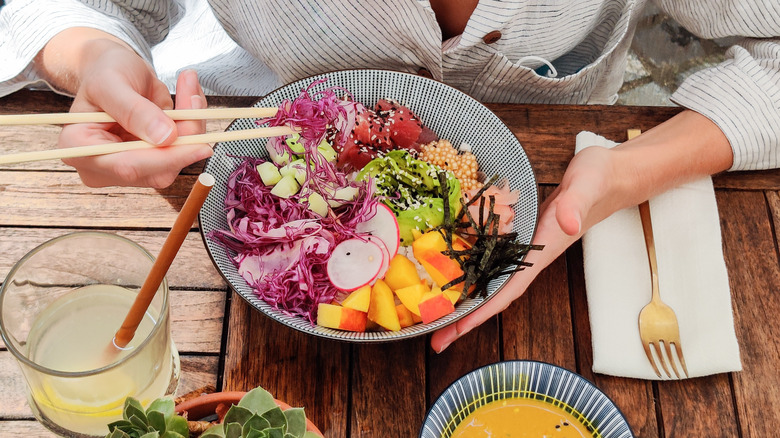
[450, 113]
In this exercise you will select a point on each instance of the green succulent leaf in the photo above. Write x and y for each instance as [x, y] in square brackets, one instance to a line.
[141, 423]
[238, 414]
[171, 434]
[276, 417]
[254, 433]
[119, 424]
[255, 422]
[178, 425]
[216, 431]
[233, 430]
[117, 433]
[276, 432]
[133, 408]
[296, 422]
[156, 420]
[153, 434]
[164, 406]
[258, 400]
[310, 434]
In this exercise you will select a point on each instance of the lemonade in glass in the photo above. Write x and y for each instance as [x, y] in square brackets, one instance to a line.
[60, 307]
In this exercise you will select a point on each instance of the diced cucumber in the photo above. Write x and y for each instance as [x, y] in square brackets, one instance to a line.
[286, 187]
[295, 144]
[295, 168]
[317, 204]
[269, 173]
[327, 151]
[342, 195]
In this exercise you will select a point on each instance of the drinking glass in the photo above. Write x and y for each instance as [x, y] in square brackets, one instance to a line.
[60, 307]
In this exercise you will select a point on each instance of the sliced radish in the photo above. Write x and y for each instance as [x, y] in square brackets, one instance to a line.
[355, 263]
[383, 225]
[386, 263]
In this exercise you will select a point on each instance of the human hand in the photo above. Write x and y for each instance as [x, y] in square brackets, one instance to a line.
[122, 84]
[592, 189]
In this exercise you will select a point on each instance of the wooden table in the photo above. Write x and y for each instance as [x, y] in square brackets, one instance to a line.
[384, 390]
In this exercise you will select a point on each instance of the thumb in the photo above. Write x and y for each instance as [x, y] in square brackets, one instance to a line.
[569, 211]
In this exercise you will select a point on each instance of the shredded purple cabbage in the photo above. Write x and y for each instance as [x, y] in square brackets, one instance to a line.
[281, 247]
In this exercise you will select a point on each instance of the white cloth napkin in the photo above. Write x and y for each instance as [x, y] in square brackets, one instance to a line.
[692, 280]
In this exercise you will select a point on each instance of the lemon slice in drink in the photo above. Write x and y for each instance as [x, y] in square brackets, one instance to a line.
[102, 396]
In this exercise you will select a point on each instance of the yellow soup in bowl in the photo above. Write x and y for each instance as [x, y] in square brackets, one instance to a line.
[520, 418]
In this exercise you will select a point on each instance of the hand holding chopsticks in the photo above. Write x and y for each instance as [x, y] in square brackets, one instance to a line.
[108, 148]
[99, 117]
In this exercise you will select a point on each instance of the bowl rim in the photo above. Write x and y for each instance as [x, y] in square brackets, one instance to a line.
[372, 340]
[482, 368]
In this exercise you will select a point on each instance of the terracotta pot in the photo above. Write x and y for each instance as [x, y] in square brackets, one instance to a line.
[218, 403]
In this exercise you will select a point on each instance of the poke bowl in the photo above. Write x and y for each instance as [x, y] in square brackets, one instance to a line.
[524, 396]
[441, 110]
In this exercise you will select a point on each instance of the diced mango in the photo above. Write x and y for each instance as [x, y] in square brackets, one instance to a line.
[453, 295]
[405, 317]
[382, 307]
[402, 272]
[428, 252]
[342, 318]
[410, 296]
[358, 299]
[434, 305]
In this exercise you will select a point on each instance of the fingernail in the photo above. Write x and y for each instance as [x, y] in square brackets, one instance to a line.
[158, 131]
[196, 102]
[578, 220]
[443, 347]
[464, 330]
[192, 78]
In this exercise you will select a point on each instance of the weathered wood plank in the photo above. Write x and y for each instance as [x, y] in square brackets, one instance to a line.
[388, 389]
[297, 368]
[681, 404]
[191, 269]
[25, 428]
[475, 349]
[542, 314]
[59, 199]
[196, 320]
[773, 199]
[754, 275]
[197, 371]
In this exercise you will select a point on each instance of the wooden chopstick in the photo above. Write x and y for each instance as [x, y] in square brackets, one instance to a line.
[98, 117]
[110, 148]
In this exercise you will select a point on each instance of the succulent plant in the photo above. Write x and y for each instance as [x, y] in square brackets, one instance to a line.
[158, 421]
[256, 416]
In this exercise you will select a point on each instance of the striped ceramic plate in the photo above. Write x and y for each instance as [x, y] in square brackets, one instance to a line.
[450, 113]
[526, 379]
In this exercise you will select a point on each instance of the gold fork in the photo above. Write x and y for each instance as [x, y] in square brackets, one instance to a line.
[657, 321]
